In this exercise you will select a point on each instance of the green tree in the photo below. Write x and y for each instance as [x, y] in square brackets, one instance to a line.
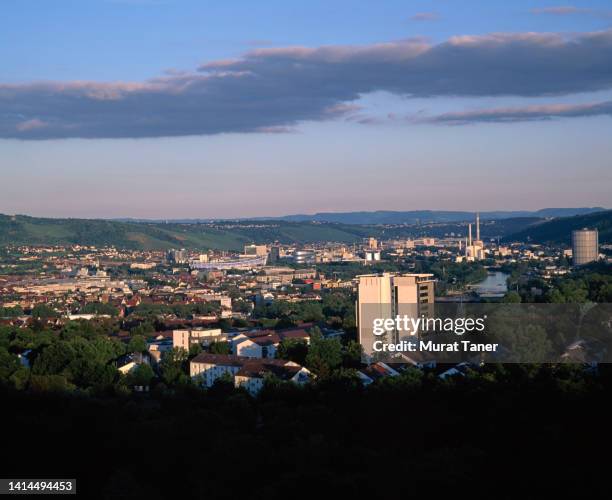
[352, 354]
[137, 344]
[324, 355]
[173, 367]
[142, 375]
[512, 297]
[218, 347]
[293, 349]
[44, 311]
[9, 364]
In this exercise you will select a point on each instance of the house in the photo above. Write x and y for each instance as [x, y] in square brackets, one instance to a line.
[128, 362]
[253, 374]
[375, 371]
[264, 343]
[184, 339]
[459, 370]
[249, 373]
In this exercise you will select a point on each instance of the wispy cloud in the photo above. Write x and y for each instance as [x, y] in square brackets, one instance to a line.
[560, 10]
[521, 114]
[425, 16]
[569, 10]
[274, 89]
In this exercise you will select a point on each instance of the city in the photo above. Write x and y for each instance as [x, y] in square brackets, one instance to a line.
[272, 249]
[254, 315]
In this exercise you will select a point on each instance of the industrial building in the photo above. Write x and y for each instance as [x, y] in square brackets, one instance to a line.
[474, 249]
[585, 246]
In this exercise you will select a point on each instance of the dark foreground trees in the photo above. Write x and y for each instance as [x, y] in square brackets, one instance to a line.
[509, 432]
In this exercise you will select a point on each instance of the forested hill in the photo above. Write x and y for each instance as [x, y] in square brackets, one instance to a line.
[432, 216]
[225, 235]
[560, 230]
[23, 230]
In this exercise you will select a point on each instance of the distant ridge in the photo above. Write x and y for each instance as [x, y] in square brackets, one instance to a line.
[427, 216]
[395, 217]
[560, 230]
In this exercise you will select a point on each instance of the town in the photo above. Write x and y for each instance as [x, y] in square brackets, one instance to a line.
[134, 320]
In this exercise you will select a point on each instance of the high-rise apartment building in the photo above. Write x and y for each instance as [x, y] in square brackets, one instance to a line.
[388, 295]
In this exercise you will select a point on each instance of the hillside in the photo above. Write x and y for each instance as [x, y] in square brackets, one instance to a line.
[559, 230]
[24, 230]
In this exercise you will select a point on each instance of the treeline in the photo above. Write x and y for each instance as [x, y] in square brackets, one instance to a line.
[82, 358]
[337, 308]
[592, 283]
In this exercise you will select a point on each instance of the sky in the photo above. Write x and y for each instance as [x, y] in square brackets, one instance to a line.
[214, 109]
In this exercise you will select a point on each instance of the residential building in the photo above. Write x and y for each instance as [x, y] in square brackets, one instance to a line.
[388, 295]
[249, 373]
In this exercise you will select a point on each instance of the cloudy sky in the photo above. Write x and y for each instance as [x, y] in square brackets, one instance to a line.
[180, 108]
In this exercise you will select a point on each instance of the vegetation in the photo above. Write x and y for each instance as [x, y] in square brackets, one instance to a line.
[450, 435]
[23, 230]
[559, 230]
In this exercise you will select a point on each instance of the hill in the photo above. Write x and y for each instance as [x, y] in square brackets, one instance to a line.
[228, 235]
[430, 216]
[560, 230]
[24, 230]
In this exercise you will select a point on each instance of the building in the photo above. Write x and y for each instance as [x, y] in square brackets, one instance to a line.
[585, 246]
[249, 373]
[474, 249]
[388, 295]
[255, 250]
[274, 255]
[304, 257]
[264, 344]
[177, 256]
[184, 339]
[242, 262]
[371, 256]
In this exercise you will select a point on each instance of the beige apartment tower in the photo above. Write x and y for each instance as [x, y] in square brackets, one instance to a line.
[388, 295]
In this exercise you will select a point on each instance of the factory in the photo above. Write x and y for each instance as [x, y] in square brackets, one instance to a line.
[474, 249]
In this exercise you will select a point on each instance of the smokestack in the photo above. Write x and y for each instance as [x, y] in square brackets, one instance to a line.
[477, 226]
[470, 234]
[466, 248]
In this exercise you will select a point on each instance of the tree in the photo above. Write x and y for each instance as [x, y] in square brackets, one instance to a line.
[512, 297]
[323, 354]
[9, 364]
[173, 367]
[44, 311]
[141, 375]
[294, 350]
[99, 308]
[137, 344]
[194, 350]
[352, 354]
[220, 348]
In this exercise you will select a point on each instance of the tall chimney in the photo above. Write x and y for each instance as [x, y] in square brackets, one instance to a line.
[477, 226]
[470, 234]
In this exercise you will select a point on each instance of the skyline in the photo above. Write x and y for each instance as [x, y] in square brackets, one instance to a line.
[347, 107]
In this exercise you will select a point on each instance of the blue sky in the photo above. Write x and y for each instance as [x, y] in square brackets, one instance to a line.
[161, 108]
